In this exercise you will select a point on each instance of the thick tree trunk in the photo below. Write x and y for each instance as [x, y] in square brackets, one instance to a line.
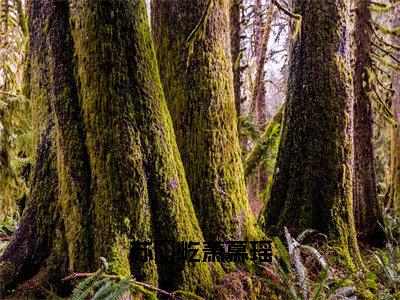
[367, 210]
[394, 185]
[107, 167]
[312, 186]
[234, 12]
[198, 86]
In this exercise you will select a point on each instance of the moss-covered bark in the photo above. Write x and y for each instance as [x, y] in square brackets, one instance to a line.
[107, 170]
[367, 210]
[28, 258]
[394, 185]
[259, 92]
[234, 13]
[198, 84]
[312, 185]
[254, 157]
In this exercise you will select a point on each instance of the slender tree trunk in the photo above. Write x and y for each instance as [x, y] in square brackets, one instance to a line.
[367, 210]
[198, 86]
[259, 93]
[235, 51]
[259, 101]
[394, 185]
[312, 185]
[107, 167]
[257, 42]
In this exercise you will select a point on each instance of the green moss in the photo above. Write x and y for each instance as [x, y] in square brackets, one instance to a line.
[134, 159]
[312, 181]
[199, 93]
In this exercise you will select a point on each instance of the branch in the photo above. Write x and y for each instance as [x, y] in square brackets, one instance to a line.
[286, 11]
[385, 30]
[387, 52]
[395, 47]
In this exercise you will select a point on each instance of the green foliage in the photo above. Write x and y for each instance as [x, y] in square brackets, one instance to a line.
[12, 40]
[387, 260]
[384, 57]
[15, 133]
[248, 129]
[15, 149]
[7, 227]
[378, 7]
[101, 285]
[291, 275]
[392, 227]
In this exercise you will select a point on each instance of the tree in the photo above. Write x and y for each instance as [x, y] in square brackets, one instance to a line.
[234, 13]
[394, 189]
[194, 54]
[107, 168]
[367, 210]
[259, 93]
[259, 99]
[312, 180]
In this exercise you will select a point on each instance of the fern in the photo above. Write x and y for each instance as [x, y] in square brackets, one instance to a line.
[291, 279]
[103, 286]
[87, 286]
[248, 129]
[387, 265]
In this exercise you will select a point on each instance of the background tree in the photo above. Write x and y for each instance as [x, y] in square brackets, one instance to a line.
[394, 185]
[235, 21]
[367, 209]
[196, 72]
[15, 137]
[312, 181]
[107, 168]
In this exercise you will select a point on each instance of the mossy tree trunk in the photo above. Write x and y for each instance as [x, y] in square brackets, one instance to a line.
[367, 210]
[235, 19]
[394, 185]
[259, 97]
[198, 85]
[312, 185]
[107, 167]
[259, 92]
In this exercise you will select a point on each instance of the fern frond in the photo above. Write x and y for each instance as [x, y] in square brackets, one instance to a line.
[88, 285]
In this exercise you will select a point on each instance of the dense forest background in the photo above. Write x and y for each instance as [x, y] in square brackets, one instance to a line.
[206, 120]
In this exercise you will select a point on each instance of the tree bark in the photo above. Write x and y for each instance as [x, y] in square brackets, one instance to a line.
[394, 185]
[107, 167]
[312, 185]
[258, 99]
[367, 210]
[259, 93]
[235, 20]
[198, 85]
[253, 158]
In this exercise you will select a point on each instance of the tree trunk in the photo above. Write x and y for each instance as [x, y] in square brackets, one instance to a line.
[198, 85]
[107, 166]
[312, 185]
[394, 185]
[367, 210]
[234, 13]
[259, 93]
